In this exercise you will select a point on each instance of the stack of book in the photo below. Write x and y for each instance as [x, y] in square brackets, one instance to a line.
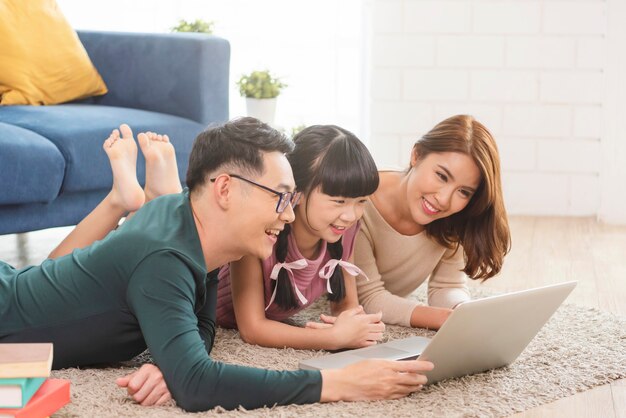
[26, 391]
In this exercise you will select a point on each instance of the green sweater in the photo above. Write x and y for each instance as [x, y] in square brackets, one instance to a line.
[144, 284]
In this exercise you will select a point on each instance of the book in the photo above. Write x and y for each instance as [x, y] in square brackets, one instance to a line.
[15, 393]
[51, 396]
[25, 360]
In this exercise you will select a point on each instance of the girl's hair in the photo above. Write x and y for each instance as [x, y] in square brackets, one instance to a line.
[481, 228]
[335, 160]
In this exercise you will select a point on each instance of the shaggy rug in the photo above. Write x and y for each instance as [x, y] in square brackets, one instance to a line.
[579, 348]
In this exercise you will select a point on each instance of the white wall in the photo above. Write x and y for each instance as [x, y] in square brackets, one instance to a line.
[314, 46]
[546, 76]
[532, 71]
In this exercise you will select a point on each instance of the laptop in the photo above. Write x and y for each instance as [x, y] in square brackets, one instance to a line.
[479, 335]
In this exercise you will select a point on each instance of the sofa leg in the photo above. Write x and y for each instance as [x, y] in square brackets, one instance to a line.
[22, 249]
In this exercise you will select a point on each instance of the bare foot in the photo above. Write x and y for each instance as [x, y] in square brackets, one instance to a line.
[161, 169]
[126, 193]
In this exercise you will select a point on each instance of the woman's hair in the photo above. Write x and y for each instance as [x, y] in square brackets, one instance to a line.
[336, 161]
[481, 228]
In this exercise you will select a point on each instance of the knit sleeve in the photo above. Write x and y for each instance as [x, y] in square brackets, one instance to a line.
[372, 293]
[447, 285]
[161, 294]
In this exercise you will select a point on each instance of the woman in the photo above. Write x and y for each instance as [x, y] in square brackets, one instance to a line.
[443, 219]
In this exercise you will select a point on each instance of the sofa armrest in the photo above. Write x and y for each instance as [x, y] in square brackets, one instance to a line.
[181, 74]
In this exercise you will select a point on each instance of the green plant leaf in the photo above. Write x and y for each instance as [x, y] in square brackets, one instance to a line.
[198, 26]
[260, 85]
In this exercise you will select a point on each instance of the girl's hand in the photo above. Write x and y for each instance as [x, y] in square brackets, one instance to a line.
[352, 328]
[327, 322]
[373, 380]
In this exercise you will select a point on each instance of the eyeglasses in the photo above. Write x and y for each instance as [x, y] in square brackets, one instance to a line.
[284, 198]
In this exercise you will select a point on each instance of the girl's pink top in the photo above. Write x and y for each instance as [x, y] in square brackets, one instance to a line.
[307, 280]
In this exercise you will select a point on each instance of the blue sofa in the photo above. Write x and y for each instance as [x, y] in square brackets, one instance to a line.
[53, 170]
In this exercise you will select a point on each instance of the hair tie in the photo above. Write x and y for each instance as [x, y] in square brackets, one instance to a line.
[327, 271]
[294, 265]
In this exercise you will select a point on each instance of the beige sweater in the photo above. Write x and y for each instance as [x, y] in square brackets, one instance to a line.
[398, 264]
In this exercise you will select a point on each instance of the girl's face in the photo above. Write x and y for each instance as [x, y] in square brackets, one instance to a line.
[328, 217]
[440, 185]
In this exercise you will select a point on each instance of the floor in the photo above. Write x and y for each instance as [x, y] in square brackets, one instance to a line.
[545, 250]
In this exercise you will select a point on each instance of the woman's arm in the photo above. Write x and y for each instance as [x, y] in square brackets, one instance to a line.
[351, 330]
[429, 317]
[446, 289]
[372, 293]
[447, 284]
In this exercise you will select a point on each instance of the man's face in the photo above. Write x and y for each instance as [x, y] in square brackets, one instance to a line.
[259, 222]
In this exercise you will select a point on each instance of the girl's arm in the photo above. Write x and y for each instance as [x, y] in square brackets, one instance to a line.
[351, 329]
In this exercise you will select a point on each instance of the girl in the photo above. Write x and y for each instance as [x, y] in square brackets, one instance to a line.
[313, 256]
[443, 219]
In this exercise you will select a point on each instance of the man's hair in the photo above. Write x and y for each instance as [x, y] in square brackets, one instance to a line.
[237, 144]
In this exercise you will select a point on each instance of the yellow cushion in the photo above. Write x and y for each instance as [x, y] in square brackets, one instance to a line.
[41, 58]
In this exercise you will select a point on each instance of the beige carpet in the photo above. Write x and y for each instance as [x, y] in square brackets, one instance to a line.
[578, 349]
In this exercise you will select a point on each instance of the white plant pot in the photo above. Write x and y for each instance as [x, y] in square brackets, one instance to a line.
[262, 109]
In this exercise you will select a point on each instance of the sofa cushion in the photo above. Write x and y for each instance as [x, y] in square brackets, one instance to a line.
[32, 167]
[78, 131]
[42, 61]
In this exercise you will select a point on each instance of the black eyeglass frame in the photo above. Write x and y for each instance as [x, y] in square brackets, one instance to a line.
[284, 198]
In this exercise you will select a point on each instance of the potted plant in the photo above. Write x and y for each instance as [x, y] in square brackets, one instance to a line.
[260, 88]
[197, 26]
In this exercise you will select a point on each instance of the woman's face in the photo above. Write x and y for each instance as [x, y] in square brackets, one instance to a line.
[328, 217]
[440, 185]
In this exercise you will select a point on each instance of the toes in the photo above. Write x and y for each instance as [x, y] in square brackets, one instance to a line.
[166, 138]
[127, 133]
[143, 139]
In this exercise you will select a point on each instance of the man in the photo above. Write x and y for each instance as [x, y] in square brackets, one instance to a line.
[153, 283]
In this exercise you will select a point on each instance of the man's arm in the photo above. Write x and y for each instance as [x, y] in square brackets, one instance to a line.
[162, 296]
[206, 314]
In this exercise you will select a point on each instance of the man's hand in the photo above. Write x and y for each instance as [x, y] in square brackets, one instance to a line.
[146, 386]
[373, 380]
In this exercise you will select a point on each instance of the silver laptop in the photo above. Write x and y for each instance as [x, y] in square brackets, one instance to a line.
[479, 335]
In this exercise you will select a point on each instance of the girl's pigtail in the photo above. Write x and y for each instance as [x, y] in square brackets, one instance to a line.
[285, 297]
[337, 283]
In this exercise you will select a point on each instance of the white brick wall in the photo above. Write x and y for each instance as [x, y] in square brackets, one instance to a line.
[531, 70]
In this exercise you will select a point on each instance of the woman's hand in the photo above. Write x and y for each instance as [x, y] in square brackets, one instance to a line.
[429, 317]
[146, 386]
[374, 380]
[353, 328]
